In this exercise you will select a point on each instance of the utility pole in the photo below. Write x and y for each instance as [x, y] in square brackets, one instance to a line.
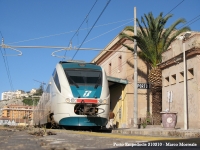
[135, 104]
[183, 38]
[184, 90]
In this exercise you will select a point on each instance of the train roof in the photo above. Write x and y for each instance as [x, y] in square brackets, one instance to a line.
[79, 65]
[75, 61]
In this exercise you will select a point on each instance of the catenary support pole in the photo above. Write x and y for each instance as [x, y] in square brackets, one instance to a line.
[185, 90]
[135, 110]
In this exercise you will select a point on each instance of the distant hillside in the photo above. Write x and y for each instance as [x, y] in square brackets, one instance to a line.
[23, 101]
[36, 97]
[30, 101]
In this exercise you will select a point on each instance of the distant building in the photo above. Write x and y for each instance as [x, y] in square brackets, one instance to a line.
[17, 113]
[19, 93]
[7, 95]
[14, 94]
[33, 91]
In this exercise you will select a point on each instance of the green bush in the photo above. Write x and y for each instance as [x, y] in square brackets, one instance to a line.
[29, 101]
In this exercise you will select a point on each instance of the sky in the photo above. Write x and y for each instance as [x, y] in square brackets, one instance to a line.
[54, 23]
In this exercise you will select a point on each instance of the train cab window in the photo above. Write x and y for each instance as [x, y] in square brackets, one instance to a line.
[56, 80]
[84, 77]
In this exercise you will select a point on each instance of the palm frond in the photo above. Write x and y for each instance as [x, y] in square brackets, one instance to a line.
[124, 35]
[152, 36]
[128, 47]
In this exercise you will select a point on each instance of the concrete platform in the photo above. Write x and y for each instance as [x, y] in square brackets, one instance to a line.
[159, 131]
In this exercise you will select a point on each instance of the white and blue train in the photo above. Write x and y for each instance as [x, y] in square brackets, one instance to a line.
[76, 96]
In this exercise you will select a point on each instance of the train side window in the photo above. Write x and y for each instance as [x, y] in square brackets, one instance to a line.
[48, 89]
[56, 80]
[54, 71]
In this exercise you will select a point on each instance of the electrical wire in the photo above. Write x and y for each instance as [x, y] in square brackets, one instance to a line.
[107, 32]
[194, 21]
[7, 66]
[188, 23]
[83, 21]
[81, 25]
[174, 7]
[42, 37]
[91, 29]
[8, 70]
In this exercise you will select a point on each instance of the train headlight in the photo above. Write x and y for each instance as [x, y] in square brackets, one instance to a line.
[73, 100]
[104, 101]
[67, 100]
[100, 100]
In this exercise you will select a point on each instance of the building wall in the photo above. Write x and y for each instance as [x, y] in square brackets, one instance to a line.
[17, 112]
[115, 65]
[173, 80]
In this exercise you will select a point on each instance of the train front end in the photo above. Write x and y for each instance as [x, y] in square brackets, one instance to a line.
[87, 96]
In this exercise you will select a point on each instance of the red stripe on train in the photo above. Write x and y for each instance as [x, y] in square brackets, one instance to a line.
[86, 101]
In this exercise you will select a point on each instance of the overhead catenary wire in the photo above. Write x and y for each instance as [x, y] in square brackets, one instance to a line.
[192, 21]
[9, 74]
[107, 32]
[81, 24]
[67, 48]
[83, 20]
[111, 30]
[81, 29]
[174, 7]
[58, 34]
[95, 49]
[107, 24]
[6, 66]
[91, 28]
[187, 23]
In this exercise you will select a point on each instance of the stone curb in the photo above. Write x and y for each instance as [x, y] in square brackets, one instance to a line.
[160, 132]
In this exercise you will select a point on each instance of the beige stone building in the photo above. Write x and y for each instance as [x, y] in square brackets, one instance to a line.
[18, 113]
[173, 80]
[121, 73]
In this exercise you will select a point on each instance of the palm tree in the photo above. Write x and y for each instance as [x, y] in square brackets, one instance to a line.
[153, 39]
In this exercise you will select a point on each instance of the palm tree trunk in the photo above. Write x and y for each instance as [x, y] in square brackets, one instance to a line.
[155, 78]
[156, 104]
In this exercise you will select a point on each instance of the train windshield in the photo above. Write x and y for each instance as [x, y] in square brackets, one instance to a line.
[84, 77]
